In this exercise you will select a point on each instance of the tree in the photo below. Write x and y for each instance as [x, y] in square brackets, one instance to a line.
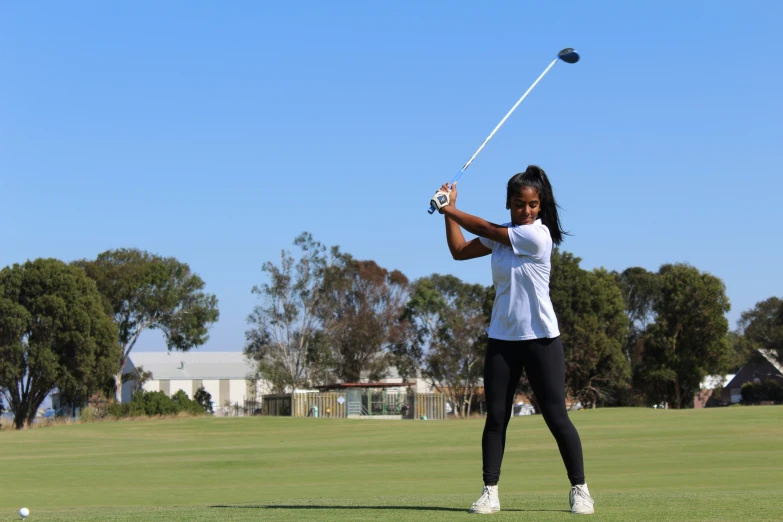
[285, 326]
[593, 328]
[420, 318]
[204, 398]
[741, 349]
[137, 380]
[450, 318]
[688, 340]
[54, 333]
[639, 288]
[762, 326]
[360, 312]
[147, 292]
[405, 352]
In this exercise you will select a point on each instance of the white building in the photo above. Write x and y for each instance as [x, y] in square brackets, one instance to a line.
[227, 376]
[422, 385]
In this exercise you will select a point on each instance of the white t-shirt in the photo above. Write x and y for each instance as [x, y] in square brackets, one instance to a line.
[522, 309]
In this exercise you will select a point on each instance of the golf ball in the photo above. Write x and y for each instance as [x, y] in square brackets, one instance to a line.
[24, 512]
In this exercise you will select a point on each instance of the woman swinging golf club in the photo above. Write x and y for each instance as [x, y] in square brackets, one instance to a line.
[523, 331]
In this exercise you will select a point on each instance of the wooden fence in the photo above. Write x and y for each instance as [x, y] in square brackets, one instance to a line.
[319, 405]
[335, 405]
[431, 405]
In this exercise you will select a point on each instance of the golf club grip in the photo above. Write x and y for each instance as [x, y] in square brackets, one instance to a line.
[453, 180]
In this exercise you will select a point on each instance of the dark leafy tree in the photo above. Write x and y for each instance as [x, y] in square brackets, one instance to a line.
[762, 327]
[54, 333]
[147, 292]
[688, 340]
[204, 398]
[593, 327]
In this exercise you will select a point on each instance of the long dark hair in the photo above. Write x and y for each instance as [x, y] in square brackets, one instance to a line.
[535, 178]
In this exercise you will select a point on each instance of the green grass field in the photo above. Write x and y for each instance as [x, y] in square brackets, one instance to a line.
[641, 464]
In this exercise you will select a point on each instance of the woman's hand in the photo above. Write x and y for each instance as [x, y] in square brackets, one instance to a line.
[452, 193]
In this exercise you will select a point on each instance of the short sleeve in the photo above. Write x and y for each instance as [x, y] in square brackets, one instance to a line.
[488, 243]
[529, 240]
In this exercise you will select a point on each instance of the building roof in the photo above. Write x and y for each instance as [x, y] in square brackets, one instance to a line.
[768, 355]
[347, 385]
[193, 365]
[711, 382]
[749, 370]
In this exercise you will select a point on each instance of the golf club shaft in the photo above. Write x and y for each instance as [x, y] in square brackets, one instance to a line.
[459, 174]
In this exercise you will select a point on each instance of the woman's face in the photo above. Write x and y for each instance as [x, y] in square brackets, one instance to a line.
[524, 206]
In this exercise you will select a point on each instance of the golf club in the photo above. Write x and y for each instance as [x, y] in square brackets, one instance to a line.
[568, 55]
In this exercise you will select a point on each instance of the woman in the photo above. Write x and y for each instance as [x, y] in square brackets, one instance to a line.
[523, 331]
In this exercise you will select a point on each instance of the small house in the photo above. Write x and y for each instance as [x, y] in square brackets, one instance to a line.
[761, 366]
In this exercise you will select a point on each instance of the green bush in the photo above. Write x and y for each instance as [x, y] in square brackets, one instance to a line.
[204, 398]
[749, 393]
[117, 410]
[184, 403]
[773, 390]
[87, 414]
[156, 403]
[756, 392]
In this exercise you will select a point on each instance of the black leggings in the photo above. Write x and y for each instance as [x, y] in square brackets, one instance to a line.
[544, 363]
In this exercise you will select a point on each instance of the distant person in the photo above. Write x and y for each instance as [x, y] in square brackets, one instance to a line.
[523, 331]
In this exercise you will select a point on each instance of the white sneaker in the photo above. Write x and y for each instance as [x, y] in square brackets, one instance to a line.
[488, 502]
[581, 501]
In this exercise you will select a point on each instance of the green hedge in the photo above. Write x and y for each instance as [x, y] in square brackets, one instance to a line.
[756, 392]
[156, 403]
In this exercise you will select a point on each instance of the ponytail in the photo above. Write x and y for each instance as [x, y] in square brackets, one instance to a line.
[535, 178]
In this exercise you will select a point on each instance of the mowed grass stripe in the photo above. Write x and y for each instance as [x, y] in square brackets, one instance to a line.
[670, 506]
[228, 461]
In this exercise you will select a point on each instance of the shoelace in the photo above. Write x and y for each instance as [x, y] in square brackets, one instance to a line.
[579, 492]
[484, 498]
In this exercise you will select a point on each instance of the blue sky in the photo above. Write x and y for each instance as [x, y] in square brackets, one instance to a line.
[217, 132]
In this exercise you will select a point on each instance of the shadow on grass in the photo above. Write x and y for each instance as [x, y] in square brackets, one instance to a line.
[401, 508]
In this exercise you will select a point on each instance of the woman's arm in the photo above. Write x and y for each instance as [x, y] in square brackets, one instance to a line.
[460, 249]
[473, 224]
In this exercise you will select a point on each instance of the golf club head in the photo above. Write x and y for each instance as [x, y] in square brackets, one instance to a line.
[568, 55]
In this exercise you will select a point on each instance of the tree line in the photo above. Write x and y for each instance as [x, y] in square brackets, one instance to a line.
[635, 337]
[70, 327]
